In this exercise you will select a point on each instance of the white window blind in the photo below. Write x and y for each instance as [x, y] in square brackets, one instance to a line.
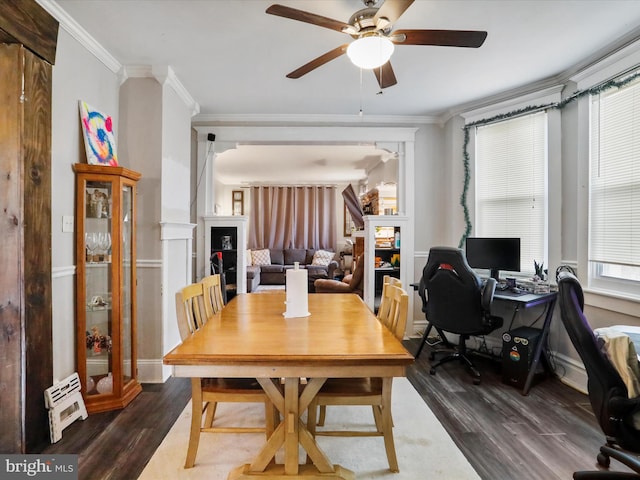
[614, 195]
[511, 184]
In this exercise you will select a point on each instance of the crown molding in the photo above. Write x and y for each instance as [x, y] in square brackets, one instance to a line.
[81, 35]
[165, 75]
[625, 58]
[540, 97]
[315, 119]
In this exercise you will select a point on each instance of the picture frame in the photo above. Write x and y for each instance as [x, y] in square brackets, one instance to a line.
[237, 199]
[98, 203]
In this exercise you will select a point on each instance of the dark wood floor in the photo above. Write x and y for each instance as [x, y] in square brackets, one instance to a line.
[546, 435]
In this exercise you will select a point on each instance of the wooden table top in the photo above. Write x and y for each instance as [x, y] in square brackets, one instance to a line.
[251, 330]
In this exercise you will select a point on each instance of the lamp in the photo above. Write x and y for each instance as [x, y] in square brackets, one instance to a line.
[371, 51]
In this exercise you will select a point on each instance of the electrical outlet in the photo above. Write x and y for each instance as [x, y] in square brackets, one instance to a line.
[67, 223]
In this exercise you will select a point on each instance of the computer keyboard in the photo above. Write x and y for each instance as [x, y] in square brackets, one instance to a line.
[513, 293]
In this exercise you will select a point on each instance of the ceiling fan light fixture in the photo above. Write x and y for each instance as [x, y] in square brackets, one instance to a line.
[370, 52]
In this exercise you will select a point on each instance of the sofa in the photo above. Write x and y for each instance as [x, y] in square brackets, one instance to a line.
[269, 266]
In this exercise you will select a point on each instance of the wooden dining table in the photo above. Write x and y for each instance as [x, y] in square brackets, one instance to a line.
[291, 358]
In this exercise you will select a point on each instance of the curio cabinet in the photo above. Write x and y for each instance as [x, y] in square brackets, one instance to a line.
[106, 285]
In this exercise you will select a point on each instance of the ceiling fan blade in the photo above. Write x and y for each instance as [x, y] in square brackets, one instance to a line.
[318, 62]
[444, 38]
[302, 16]
[385, 76]
[392, 9]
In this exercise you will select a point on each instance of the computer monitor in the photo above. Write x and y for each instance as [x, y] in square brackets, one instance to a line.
[494, 254]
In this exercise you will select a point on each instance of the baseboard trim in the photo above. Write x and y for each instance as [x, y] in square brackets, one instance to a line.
[152, 371]
[574, 373]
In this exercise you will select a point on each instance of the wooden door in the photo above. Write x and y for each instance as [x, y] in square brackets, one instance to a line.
[25, 223]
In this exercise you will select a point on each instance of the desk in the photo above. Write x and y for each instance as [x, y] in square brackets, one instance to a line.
[528, 300]
[251, 338]
[519, 301]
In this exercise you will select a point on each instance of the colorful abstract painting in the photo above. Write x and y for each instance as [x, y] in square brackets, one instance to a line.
[99, 139]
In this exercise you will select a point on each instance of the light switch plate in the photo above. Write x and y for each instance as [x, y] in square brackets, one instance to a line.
[67, 223]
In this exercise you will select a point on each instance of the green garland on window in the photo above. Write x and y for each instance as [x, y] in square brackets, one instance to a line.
[617, 82]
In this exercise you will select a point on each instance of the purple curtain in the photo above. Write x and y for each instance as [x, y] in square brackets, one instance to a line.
[293, 217]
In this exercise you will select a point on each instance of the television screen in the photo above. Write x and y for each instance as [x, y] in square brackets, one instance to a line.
[352, 202]
[494, 254]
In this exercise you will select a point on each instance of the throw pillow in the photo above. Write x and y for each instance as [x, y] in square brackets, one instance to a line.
[249, 258]
[261, 257]
[322, 257]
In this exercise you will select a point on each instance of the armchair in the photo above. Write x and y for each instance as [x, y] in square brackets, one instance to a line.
[608, 394]
[349, 284]
[455, 300]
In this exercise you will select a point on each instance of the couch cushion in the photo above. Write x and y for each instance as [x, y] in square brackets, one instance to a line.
[271, 268]
[322, 257]
[277, 257]
[261, 257]
[293, 255]
[309, 258]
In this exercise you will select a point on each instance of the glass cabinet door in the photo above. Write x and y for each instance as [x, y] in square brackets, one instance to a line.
[98, 287]
[128, 283]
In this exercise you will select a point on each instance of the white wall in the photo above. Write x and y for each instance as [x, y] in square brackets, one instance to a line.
[157, 137]
[77, 75]
[153, 131]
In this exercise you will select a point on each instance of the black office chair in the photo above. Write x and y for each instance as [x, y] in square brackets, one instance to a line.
[455, 300]
[607, 392]
[217, 268]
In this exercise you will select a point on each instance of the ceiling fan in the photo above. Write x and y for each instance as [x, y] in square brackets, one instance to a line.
[372, 29]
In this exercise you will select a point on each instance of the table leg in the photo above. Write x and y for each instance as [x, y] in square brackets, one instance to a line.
[291, 433]
[539, 351]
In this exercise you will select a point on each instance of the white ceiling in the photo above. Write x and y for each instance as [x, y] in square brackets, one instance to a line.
[232, 57]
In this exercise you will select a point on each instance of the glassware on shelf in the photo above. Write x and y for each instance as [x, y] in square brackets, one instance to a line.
[91, 241]
[105, 384]
[104, 244]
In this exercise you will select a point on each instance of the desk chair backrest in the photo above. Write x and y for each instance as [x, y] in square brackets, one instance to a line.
[606, 388]
[452, 293]
[212, 289]
[190, 310]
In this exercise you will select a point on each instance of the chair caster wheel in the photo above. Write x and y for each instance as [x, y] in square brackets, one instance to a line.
[432, 371]
[603, 460]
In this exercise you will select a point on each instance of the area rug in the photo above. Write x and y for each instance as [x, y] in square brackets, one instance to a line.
[423, 447]
[269, 288]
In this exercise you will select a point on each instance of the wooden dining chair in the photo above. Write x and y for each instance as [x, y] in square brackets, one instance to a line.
[367, 390]
[212, 287]
[383, 308]
[207, 392]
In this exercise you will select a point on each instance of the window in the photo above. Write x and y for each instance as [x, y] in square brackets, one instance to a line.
[614, 189]
[511, 184]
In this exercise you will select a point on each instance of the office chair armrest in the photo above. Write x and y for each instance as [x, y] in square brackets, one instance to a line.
[487, 294]
[629, 459]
